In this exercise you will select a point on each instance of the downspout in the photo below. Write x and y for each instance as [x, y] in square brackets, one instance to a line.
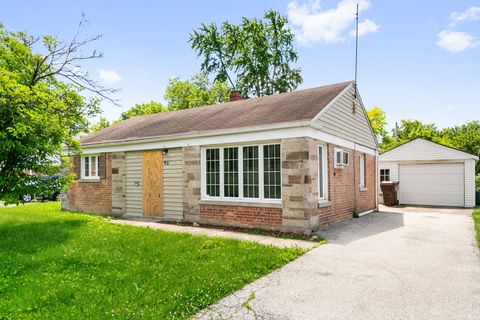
[376, 180]
[355, 176]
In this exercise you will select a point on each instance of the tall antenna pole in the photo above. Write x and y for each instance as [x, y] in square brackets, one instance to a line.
[356, 47]
[354, 107]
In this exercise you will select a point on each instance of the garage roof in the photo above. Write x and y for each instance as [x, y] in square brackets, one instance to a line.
[424, 150]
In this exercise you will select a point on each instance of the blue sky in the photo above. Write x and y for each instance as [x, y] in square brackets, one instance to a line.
[417, 59]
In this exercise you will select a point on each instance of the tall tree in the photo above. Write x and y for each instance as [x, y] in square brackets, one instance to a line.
[465, 137]
[180, 94]
[409, 130]
[42, 106]
[198, 91]
[101, 124]
[142, 109]
[255, 57]
[378, 120]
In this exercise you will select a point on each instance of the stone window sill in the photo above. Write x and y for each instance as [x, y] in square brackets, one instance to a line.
[363, 189]
[236, 203]
[324, 203]
[89, 180]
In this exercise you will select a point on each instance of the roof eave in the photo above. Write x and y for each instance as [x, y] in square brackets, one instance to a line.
[284, 125]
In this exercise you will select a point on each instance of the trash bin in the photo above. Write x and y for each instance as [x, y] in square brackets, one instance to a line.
[389, 190]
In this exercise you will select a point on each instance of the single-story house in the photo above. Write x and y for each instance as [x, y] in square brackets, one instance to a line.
[430, 174]
[289, 162]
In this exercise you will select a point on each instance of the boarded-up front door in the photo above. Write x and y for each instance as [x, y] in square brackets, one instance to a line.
[152, 183]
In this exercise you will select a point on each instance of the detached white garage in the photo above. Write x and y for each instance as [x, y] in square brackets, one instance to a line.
[430, 174]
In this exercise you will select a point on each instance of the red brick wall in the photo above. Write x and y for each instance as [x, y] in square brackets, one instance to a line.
[344, 192]
[95, 197]
[241, 216]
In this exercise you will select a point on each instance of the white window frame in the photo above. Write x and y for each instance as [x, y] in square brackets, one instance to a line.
[82, 168]
[385, 174]
[343, 152]
[240, 197]
[324, 181]
[362, 169]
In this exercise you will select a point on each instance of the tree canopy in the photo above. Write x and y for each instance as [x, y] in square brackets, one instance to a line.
[42, 106]
[180, 94]
[196, 92]
[378, 120]
[255, 56]
[142, 109]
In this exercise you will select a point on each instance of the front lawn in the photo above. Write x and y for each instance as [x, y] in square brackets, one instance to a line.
[476, 219]
[58, 265]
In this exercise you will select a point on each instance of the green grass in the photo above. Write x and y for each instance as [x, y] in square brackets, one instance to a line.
[58, 265]
[476, 219]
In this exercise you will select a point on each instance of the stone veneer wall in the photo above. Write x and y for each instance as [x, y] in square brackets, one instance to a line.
[299, 185]
[118, 183]
[191, 183]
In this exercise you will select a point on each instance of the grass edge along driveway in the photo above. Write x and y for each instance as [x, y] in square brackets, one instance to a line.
[476, 219]
[58, 265]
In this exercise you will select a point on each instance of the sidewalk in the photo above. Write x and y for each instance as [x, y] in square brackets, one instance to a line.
[214, 232]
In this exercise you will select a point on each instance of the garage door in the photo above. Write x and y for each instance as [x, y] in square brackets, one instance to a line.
[432, 184]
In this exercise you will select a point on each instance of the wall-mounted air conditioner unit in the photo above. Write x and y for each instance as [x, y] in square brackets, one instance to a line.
[341, 158]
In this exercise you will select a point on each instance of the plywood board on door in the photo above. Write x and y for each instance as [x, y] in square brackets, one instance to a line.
[152, 165]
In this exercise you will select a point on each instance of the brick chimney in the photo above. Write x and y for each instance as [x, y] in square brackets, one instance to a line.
[236, 95]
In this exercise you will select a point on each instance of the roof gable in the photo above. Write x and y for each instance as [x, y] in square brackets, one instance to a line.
[424, 150]
[339, 119]
[296, 106]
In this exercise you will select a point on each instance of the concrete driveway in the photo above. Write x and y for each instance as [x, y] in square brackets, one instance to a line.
[402, 264]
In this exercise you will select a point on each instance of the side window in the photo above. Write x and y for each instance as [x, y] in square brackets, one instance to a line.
[322, 173]
[362, 171]
[384, 175]
[272, 172]
[213, 172]
[89, 167]
[230, 173]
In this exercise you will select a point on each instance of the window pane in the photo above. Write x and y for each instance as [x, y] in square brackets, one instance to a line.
[384, 175]
[250, 172]
[362, 170]
[230, 172]
[93, 165]
[321, 192]
[213, 172]
[87, 167]
[272, 172]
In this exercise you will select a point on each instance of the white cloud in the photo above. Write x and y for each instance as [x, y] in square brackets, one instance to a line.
[471, 14]
[311, 23]
[365, 27]
[454, 41]
[109, 76]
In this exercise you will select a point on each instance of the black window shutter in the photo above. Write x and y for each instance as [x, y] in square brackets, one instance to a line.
[76, 166]
[102, 166]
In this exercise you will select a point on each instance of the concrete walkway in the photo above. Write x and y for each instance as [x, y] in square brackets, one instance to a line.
[217, 232]
[386, 265]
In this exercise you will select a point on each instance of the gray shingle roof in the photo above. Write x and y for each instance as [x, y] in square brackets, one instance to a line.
[281, 108]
